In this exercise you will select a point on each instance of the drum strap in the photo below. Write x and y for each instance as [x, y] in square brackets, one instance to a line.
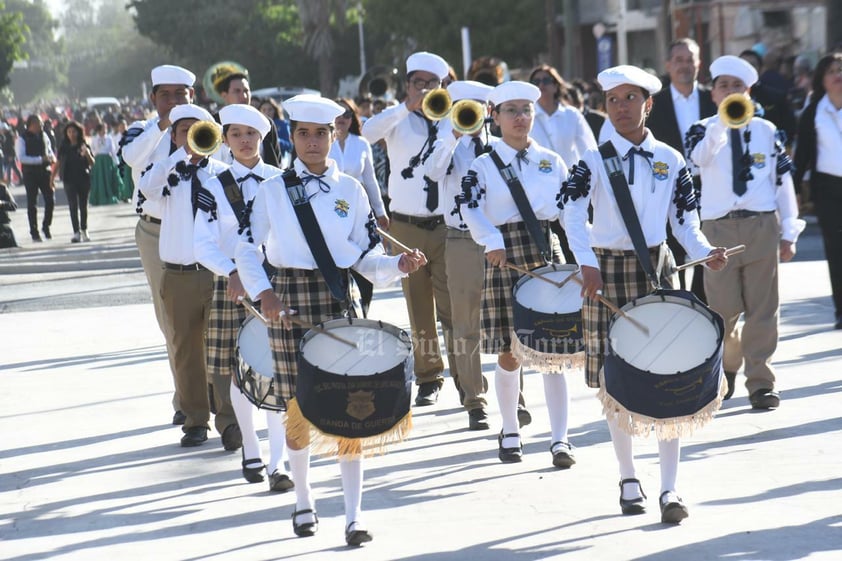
[614, 169]
[233, 193]
[336, 279]
[536, 233]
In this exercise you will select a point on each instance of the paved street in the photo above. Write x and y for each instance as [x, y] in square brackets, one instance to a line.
[90, 467]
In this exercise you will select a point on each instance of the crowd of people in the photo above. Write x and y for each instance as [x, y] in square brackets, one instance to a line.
[299, 203]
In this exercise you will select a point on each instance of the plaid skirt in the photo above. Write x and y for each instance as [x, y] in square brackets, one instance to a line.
[224, 323]
[624, 280]
[306, 292]
[496, 316]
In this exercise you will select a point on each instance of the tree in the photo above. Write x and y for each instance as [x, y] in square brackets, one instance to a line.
[46, 70]
[12, 38]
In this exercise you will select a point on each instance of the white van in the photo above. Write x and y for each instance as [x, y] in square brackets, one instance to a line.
[103, 104]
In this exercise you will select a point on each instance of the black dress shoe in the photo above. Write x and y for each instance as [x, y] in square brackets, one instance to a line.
[672, 512]
[632, 506]
[478, 419]
[306, 529]
[232, 438]
[357, 537]
[428, 394]
[838, 324]
[36, 237]
[765, 399]
[524, 417]
[731, 378]
[253, 469]
[280, 482]
[509, 455]
[194, 436]
[179, 418]
[562, 454]
[46, 230]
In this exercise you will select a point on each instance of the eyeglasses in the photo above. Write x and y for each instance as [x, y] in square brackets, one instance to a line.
[420, 84]
[514, 112]
[546, 81]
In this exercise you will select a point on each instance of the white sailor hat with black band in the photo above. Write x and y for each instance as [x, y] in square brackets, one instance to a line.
[170, 74]
[610, 78]
[242, 114]
[310, 108]
[730, 65]
[189, 111]
[469, 89]
[427, 62]
[509, 91]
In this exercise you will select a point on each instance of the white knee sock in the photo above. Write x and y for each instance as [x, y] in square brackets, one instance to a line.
[669, 452]
[507, 387]
[622, 442]
[299, 467]
[244, 411]
[558, 404]
[277, 441]
[352, 490]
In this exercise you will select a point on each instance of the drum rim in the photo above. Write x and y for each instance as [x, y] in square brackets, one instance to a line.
[398, 332]
[237, 348]
[526, 278]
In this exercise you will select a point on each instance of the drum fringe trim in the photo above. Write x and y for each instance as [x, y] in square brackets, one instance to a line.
[636, 424]
[549, 363]
[325, 444]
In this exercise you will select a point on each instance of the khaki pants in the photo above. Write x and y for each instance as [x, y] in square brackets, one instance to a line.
[426, 297]
[465, 261]
[748, 285]
[186, 296]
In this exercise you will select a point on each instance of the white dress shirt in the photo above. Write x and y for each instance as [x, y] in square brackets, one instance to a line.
[686, 108]
[828, 138]
[405, 134]
[653, 193]
[356, 160]
[176, 242]
[215, 238]
[149, 146]
[343, 213]
[565, 132]
[104, 145]
[23, 158]
[712, 154]
[541, 178]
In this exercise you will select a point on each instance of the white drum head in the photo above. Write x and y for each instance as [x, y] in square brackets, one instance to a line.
[254, 348]
[378, 349]
[680, 337]
[541, 296]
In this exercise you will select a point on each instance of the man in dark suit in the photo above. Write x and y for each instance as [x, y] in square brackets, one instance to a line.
[674, 110]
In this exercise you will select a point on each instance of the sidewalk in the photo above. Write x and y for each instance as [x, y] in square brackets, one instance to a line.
[90, 467]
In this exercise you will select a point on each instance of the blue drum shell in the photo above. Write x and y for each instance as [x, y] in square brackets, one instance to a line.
[552, 333]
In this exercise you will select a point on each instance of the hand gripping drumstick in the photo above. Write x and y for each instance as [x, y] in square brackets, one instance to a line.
[728, 253]
[250, 307]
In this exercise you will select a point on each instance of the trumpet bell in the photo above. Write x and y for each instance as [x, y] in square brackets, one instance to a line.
[467, 116]
[204, 137]
[436, 104]
[380, 82]
[736, 110]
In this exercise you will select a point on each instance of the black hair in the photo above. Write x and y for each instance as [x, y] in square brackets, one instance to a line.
[818, 75]
[225, 84]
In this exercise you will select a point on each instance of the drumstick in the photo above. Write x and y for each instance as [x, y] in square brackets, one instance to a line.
[613, 307]
[250, 307]
[529, 273]
[394, 241]
[728, 252]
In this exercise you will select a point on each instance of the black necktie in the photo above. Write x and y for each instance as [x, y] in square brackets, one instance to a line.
[324, 187]
[646, 154]
[521, 158]
[740, 187]
[249, 176]
[479, 149]
[432, 189]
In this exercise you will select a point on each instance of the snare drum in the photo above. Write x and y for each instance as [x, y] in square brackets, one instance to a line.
[255, 365]
[355, 400]
[548, 320]
[670, 378]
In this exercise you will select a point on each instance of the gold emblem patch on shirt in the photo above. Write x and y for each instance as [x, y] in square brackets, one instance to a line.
[758, 160]
[544, 166]
[660, 170]
[342, 207]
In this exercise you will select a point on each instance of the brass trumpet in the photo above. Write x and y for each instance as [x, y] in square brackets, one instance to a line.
[204, 137]
[467, 116]
[436, 104]
[736, 110]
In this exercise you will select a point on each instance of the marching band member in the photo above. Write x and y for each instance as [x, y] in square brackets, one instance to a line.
[496, 220]
[661, 188]
[215, 239]
[341, 229]
[187, 286]
[746, 178]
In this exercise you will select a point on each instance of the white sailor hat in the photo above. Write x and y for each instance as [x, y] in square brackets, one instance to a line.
[169, 74]
[730, 65]
[468, 89]
[189, 111]
[242, 114]
[310, 108]
[610, 78]
[428, 62]
[507, 91]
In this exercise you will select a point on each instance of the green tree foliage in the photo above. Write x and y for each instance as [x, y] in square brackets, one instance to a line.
[46, 68]
[12, 38]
